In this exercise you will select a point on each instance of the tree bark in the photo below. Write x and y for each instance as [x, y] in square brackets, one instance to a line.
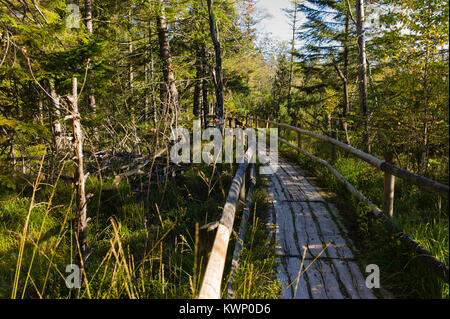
[362, 72]
[89, 27]
[81, 218]
[169, 92]
[57, 130]
[345, 109]
[198, 84]
[88, 8]
[218, 75]
[291, 64]
[205, 102]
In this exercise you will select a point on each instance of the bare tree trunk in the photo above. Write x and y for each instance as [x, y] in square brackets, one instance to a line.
[89, 27]
[41, 109]
[151, 71]
[362, 73]
[205, 102]
[291, 63]
[56, 101]
[425, 151]
[218, 75]
[198, 84]
[346, 109]
[169, 92]
[346, 100]
[88, 8]
[81, 219]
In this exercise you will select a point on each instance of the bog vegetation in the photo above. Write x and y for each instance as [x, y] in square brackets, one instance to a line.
[90, 92]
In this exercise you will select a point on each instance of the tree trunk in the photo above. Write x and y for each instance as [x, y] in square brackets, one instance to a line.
[81, 219]
[218, 75]
[88, 8]
[89, 27]
[425, 151]
[205, 102]
[56, 101]
[198, 84]
[346, 108]
[291, 64]
[169, 92]
[362, 72]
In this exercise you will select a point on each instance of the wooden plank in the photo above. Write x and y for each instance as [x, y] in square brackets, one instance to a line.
[307, 234]
[347, 279]
[283, 279]
[291, 187]
[315, 280]
[278, 190]
[299, 284]
[330, 233]
[360, 281]
[309, 192]
[286, 245]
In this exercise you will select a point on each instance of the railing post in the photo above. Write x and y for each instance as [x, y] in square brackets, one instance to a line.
[243, 185]
[299, 140]
[333, 148]
[389, 187]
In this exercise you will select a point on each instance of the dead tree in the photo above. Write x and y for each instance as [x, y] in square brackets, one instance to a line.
[80, 179]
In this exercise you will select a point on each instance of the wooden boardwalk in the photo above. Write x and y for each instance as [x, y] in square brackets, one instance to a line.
[304, 224]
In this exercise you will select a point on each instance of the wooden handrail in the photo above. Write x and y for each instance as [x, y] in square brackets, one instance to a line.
[418, 180]
[211, 285]
[243, 226]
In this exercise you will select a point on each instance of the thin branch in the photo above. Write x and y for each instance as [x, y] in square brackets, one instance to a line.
[7, 48]
[349, 7]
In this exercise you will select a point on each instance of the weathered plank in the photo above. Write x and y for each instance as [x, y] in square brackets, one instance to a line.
[330, 232]
[299, 284]
[286, 243]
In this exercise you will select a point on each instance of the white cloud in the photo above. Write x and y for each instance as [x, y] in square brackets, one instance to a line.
[277, 24]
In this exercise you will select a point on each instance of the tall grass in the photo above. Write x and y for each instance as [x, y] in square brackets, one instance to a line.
[138, 250]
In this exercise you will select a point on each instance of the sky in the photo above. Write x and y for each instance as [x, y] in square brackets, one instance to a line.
[277, 24]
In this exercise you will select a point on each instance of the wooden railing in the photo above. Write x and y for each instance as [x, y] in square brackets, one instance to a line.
[212, 278]
[389, 169]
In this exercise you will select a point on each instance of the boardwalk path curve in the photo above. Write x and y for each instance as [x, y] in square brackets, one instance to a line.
[303, 221]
